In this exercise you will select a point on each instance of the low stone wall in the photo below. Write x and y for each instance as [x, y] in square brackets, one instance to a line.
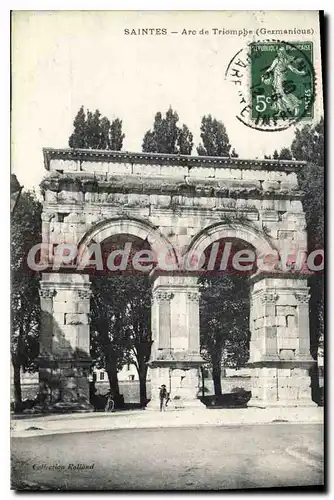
[228, 384]
[130, 390]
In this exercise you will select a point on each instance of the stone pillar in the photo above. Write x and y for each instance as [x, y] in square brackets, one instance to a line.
[47, 218]
[45, 344]
[64, 358]
[280, 343]
[175, 356]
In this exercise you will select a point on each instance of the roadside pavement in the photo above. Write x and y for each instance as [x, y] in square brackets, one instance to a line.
[136, 419]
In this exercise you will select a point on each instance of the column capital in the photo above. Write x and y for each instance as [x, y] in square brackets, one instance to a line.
[193, 296]
[162, 296]
[84, 294]
[269, 298]
[302, 298]
[47, 293]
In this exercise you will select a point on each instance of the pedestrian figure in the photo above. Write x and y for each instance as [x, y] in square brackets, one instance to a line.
[163, 397]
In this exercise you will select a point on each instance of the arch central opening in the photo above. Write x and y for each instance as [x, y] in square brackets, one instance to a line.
[121, 335]
[225, 321]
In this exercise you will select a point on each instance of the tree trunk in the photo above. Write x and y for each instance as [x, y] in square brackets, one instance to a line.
[142, 373]
[216, 377]
[203, 381]
[216, 362]
[17, 386]
[111, 370]
[142, 354]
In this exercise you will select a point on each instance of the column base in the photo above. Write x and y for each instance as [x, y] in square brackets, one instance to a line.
[261, 403]
[68, 407]
[281, 386]
[64, 385]
[181, 384]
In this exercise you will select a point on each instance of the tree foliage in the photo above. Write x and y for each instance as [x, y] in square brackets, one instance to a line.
[109, 342]
[120, 326]
[215, 141]
[93, 131]
[25, 303]
[308, 145]
[138, 326]
[285, 154]
[224, 320]
[167, 137]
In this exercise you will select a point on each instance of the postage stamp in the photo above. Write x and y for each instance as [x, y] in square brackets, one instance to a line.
[281, 79]
[275, 82]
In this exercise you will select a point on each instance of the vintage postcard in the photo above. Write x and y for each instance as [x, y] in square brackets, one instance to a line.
[167, 236]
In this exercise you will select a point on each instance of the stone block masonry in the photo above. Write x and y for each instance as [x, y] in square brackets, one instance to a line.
[183, 203]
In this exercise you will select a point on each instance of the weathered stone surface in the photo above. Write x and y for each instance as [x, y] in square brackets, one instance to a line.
[99, 167]
[229, 174]
[285, 310]
[63, 307]
[50, 196]
[202, 172]
[76, 319]
[64, 165]
[183, 201]
[271, 185]
[120, 168]
[70, 197]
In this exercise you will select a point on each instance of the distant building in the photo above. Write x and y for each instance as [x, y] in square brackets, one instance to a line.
[127, 374]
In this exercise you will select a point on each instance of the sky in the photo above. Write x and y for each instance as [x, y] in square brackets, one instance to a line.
[64, 59]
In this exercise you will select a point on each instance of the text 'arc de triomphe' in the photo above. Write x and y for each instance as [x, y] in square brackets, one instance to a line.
[179, 202]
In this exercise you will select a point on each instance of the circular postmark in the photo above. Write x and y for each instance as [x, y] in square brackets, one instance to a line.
[275, 83]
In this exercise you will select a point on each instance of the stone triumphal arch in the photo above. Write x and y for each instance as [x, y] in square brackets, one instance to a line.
[183, 204]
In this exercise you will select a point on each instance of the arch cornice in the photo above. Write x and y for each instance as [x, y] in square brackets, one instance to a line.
[125, 224]
[232, 230]
[167, 159]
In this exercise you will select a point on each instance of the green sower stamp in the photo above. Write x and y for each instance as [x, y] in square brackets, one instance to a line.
[282, 83]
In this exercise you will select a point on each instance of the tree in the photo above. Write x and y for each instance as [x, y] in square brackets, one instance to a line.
[120, 326]
[15, 192]
[93, 131]
[275, 155]
[285, 154]
[116, 135]
[308, 145]
[185, 140]
[78, 137]
[109, 341]
[25, 303]
[214, 138]
[138, 318]
[167, 137]
[224, 321]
